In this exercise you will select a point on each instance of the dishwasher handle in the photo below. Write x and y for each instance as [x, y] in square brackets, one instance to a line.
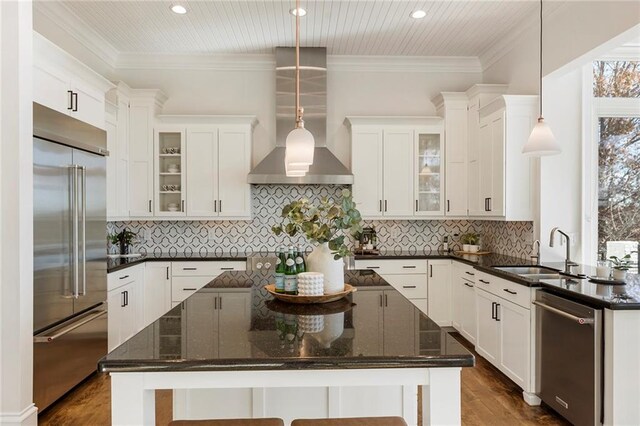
[560, 312]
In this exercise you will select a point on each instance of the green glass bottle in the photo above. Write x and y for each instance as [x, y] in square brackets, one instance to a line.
[290, 272]
[301, 265]
[280, 266]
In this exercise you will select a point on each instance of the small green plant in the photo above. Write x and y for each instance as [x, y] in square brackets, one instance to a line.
[323, 223]
[471, 238]
[123, 239]
[621, 263]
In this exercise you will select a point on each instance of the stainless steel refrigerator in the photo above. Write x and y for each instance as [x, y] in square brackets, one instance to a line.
[70, 266]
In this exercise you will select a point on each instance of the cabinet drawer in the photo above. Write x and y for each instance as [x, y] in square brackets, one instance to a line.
[466, 271]
[206, 268]
[411, 286]
[124, 276]
[183, 287]
[514, 292]
[394, 266]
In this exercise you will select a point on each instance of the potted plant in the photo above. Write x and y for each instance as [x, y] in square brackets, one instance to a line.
[620, 266]
[325, 225]
[470, 242]
[123, 239]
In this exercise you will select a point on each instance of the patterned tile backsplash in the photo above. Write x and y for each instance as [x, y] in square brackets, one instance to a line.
[196, 238]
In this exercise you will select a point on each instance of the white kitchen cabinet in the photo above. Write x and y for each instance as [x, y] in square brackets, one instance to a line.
[398, 166]
[439, 293]
[366, 166]
[157, 290]
[398, 172]
[505, 329]
[464, 300]
[117, 127]
[125, 300]
[369, 337]
[479, 95]
[189, 277]
[506, 176]
[169, 166]
[144, 105]
[216, 162]
[398, 317]
[66, 85]
[453, 108]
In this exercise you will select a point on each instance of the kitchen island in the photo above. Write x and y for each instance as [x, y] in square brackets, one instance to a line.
[363, 355]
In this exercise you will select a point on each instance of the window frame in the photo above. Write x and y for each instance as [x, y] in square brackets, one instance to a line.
[593, 109]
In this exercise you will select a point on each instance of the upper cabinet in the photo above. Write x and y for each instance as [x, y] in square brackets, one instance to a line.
[398, 166]
[63, 83]
[506, 175]
[202, 165]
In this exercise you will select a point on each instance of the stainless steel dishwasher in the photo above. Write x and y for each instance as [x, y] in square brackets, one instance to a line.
[569, 358]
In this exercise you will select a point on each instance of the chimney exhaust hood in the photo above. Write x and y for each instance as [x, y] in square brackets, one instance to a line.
[326, 168]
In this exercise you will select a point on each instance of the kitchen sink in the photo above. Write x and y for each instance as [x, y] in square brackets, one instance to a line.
[530, 272]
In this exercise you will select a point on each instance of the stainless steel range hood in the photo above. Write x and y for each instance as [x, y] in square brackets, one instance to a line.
[326, 168]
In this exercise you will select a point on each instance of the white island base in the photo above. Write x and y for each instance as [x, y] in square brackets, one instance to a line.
[291, 394]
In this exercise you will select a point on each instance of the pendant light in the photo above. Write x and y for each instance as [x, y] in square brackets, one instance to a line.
[541, 141]
[300, 144]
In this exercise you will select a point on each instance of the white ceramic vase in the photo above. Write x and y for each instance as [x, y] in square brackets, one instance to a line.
[619, 274]
[321, 260]
[332, 330]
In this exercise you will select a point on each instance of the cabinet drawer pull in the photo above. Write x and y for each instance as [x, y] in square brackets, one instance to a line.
[167, 272]
[74, 97]
[416, 205]
[385, 205]
[381, 300]
[124, 277]
[189, 289]
[430, 271]
[220, 303]
[468, 285]
[469, 273]
[220, 211]
[381, 210]
[189, 269]
[493, 310]
[509, 291]
[408, 286]
[215, 206]
[448, 206]
[373, 267]
[484, 282]
[123, 299]
[70, 107]
[231, 268]
[149, 206]
[497, 312]
[409, 267]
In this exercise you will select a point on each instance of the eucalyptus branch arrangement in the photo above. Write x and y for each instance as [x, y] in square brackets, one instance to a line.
[323, 223]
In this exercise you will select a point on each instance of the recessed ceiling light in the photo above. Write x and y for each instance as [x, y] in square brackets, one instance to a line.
[298, 12]
[179, 9]
[418, 14]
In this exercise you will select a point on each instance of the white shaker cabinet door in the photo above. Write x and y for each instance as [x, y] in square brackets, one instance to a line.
[202, 172]
[368, 337]
[366, 165]
[515, 339]
[398, 173]
[467, 304]
[234, 313]
[399, 316]
[51, 89]
[496, 203]
[157, 290]
[88, 103]
[488, 330]
[141, 160]
[439, 293]
[234, 164]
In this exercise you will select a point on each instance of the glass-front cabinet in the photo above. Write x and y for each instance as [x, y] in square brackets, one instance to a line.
[429, 172]
[169, 144]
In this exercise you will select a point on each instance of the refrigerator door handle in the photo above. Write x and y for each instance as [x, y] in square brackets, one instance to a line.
[74, 229]
[47, 338]
[83, 172]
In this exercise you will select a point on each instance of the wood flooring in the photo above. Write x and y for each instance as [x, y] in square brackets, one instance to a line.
[488, 398]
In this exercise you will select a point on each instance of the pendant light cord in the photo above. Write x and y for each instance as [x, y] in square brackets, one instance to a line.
[299, 122]
[540, 58]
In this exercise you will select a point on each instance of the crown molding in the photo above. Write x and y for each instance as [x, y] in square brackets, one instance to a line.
[506, 44]
[427, 64]
[220, 62]
[67, 21]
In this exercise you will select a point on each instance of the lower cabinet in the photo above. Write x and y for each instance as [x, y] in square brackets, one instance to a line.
[189, 277]
[504, 335]
[157, 290]
[125, 300]
[439, 294]
[463, 295]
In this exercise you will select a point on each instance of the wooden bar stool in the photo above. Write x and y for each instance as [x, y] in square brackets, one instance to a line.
[352, 421]
[229, 422]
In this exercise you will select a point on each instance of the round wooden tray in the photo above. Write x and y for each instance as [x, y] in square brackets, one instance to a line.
[306, 300]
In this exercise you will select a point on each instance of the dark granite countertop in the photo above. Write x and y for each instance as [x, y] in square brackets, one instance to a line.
[116, 264]
[270, 335]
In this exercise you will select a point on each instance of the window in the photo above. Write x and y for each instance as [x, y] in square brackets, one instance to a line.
[616, 92]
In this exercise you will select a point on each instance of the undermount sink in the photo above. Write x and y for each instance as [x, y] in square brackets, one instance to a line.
[530, 272]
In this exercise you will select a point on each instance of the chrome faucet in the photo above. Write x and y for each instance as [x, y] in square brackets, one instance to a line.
[568, 263]
[536, 256]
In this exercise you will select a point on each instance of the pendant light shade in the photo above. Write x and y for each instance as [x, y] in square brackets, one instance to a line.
[541, 142]
[300, 144]
[300, 147]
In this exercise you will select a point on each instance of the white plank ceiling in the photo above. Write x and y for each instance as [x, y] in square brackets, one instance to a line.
[345, 27]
